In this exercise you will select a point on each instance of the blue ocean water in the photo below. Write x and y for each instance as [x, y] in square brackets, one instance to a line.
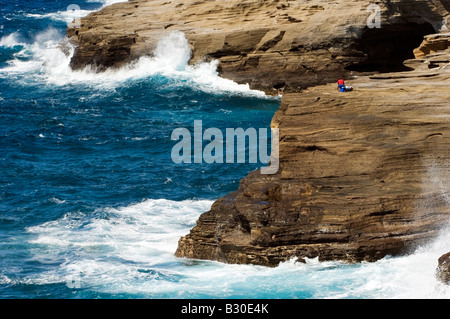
[91, 203]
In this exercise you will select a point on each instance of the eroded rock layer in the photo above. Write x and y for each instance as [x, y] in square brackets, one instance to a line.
[267, 43]
[363, 174]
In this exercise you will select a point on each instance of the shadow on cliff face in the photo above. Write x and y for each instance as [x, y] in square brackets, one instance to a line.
[386, 48]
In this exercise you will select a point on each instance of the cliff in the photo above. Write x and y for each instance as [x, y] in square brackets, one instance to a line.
[268, 44]
[361, 173]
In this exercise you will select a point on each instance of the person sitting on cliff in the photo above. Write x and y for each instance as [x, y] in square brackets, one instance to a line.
[342, 87]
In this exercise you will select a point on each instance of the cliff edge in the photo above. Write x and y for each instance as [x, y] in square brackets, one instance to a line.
[362, 174]
[271, 45]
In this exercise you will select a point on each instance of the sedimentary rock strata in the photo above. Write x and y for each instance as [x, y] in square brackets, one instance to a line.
[268, 44]
[362, 174]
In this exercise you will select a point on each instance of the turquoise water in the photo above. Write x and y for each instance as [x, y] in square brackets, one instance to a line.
[91, 203]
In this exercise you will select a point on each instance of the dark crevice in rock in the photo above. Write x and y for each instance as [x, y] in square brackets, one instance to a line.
[386, 48]
[384, 213]
[243, 222]
[311, 148]
[271, 43]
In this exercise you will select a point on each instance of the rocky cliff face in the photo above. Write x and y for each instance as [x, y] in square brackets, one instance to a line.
[268, 44]
[362, 174]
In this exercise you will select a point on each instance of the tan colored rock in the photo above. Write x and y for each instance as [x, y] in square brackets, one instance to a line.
[268, 44]
[363, 174]
[432, 44]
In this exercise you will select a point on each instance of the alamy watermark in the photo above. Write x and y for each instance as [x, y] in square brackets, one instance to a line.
[190, 147]
[76, 23]
[374, 19]
[73, 280]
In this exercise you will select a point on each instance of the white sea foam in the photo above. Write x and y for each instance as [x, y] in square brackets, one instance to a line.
[45, 61]
[57, 200]
[133, 231]
[171, 60]
[406, 277]
[131, 250]
[114, 247]
[67, 16]
[409, 277]
[146, 232]
[41, 55]
[11, 40]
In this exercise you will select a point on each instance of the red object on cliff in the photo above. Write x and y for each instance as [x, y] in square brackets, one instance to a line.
[341, 85]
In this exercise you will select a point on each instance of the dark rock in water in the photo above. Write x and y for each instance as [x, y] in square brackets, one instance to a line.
[443, 269]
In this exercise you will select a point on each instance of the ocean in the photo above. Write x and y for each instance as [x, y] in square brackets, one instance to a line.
[92, 204]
